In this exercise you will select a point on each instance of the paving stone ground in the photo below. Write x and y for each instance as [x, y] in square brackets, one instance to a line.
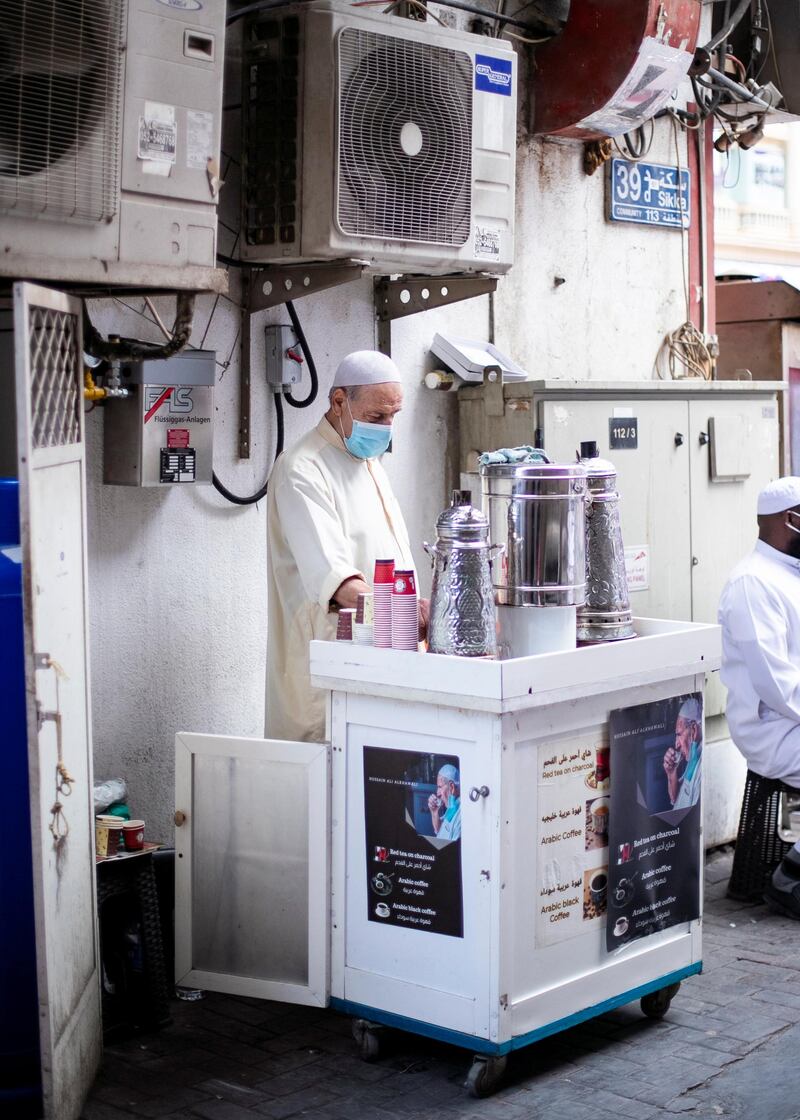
[728, 1048]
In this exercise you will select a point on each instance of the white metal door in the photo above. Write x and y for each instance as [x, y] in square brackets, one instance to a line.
[653, 483]
[252, 850]
[741, 437]
[49, 402]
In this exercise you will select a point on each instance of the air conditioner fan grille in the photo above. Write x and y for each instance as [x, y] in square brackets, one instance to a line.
[405, 139]
[60, 77]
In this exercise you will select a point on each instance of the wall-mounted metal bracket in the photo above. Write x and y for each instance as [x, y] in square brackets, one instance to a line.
[275, 284]
[263, 288]
[396, 298]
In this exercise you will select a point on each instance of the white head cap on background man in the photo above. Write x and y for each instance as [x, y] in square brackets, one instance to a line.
[778, 496]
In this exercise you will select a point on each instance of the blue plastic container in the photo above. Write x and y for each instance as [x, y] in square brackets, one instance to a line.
[20, 1073]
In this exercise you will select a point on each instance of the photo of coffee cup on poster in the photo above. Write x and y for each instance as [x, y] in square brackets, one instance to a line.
[412, 805]
[654, 830]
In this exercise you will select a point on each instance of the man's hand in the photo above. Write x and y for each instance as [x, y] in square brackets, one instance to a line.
[435, 809]
[424, 618]
[347, 593]
[672, 757]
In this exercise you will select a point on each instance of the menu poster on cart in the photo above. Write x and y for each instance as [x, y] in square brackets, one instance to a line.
[574, 786]
[654, 830]
[413, 840]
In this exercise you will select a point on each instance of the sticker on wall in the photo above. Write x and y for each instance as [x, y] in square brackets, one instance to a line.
[493, 75]
[199, 138]
[413, 840]
[574, 787]
[157, 138]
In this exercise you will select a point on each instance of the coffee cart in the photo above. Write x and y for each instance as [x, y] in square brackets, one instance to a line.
[310, 872]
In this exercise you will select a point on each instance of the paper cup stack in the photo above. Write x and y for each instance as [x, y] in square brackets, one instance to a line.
[344, 625]
[405, 612]
[364, 621]
[384, 582]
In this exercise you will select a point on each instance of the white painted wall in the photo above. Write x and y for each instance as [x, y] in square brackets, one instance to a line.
[178, 577]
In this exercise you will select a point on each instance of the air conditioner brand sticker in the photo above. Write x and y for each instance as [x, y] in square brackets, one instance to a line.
[186, 5]
[487, 242]
[493, 75]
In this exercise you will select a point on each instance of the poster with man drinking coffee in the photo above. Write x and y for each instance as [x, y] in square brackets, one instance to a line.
[654, 829]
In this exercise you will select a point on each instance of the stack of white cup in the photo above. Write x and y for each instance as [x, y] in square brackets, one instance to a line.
[405, 611]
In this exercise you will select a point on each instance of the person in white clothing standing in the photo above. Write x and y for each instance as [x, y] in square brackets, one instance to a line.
[759, 613]
[331, 514]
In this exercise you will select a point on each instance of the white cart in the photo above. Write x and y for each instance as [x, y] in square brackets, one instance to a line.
[287, 887]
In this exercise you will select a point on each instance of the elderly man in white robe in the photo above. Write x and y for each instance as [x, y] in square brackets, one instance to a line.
[331, 514]
[759, 613]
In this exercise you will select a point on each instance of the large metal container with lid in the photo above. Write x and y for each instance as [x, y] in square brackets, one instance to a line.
[537, 510]
[606, 614]
[463, 619]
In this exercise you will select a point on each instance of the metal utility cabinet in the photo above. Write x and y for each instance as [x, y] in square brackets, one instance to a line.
[691, 457]
[294, 883]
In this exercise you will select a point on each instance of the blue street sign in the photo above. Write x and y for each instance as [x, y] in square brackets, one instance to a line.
[648, 193]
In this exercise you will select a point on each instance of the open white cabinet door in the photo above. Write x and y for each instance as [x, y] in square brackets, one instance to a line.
[50, 443]
[252, 883]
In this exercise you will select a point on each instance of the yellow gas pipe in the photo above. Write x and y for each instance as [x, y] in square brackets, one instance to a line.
[91, 392]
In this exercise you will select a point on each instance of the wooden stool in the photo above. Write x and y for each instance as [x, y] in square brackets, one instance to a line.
[759, 848]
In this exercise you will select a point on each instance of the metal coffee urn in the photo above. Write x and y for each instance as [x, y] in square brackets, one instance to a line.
[537, 510]
[463, 620]
[606, 614]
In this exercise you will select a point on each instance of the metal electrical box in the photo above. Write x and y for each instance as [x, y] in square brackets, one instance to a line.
[163, 432]
[691, 457]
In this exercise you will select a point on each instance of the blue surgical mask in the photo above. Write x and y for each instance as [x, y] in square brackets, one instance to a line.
[367, 441]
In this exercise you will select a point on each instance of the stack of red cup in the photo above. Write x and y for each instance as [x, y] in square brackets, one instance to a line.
[382, 603]
[405, 611]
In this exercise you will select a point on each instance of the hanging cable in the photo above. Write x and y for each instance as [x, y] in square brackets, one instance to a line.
[733, 22]
[251, 499]
[473, 9]
[312, 369]
[127, 349]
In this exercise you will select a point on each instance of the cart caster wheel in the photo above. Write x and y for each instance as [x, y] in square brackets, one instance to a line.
[369, 1038]
[485, 1075]
[655, 1005]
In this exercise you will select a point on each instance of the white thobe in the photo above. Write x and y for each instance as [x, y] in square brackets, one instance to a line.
[330, 516]
[689, 789]
[760, 617]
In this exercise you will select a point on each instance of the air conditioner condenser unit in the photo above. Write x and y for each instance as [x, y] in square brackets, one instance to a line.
[109, 141]
[377, 138]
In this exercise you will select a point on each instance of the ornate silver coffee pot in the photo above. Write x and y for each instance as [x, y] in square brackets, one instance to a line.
[606, 613]
[463, 617]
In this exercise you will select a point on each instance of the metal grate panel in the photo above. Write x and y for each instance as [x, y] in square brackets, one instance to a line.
[392, 185]
[55, 372]
[60, 77]
[270, 103]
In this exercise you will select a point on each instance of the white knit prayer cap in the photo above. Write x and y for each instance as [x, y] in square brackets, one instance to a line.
[780, 495]
[366, 367]
[691, 710]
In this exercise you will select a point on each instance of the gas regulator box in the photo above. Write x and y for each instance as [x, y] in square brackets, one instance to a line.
[162, 432]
